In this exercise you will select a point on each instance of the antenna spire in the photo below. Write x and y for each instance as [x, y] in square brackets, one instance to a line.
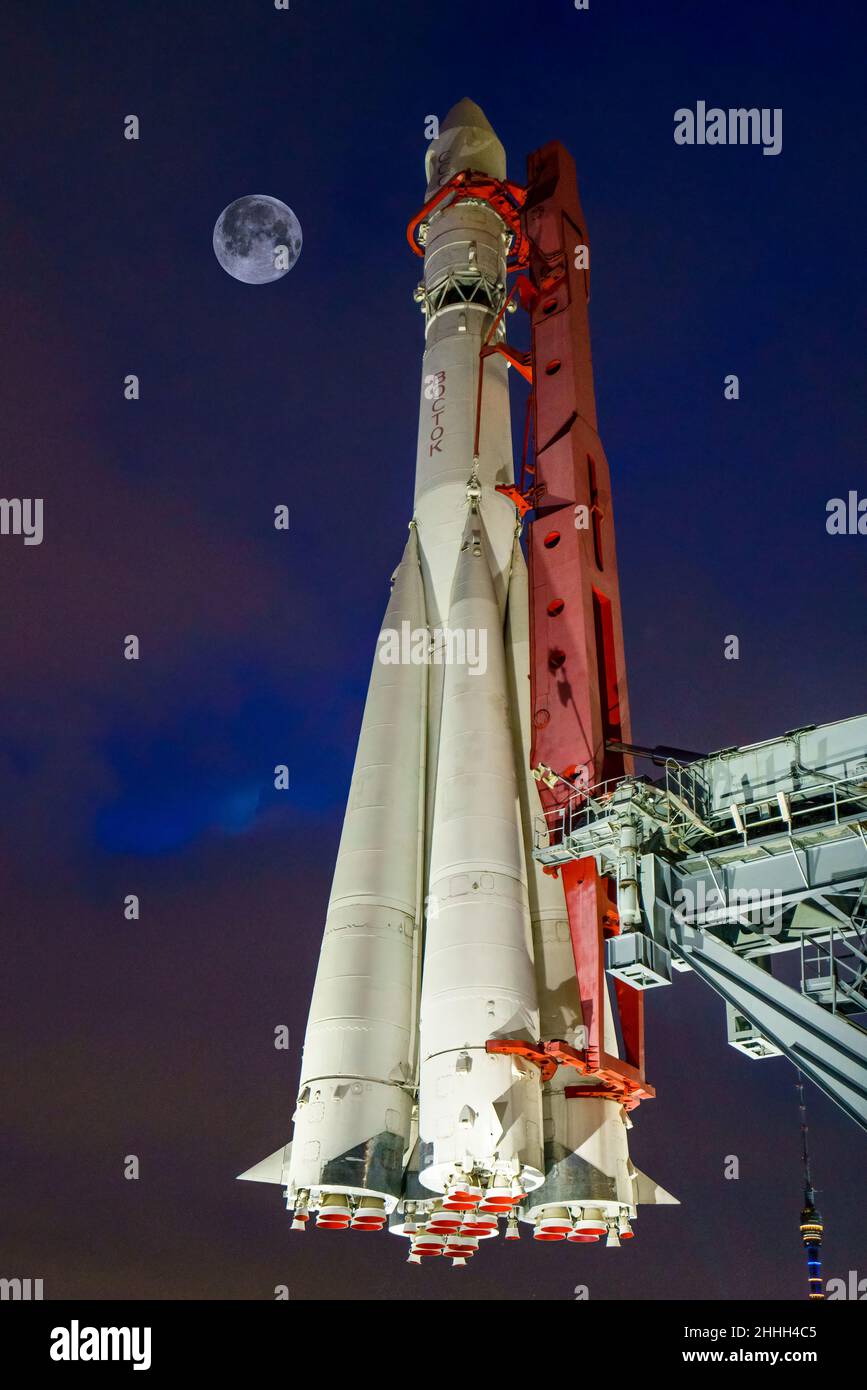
[811, 1220]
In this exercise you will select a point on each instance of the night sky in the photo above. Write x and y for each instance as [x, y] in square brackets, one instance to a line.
[155, 777]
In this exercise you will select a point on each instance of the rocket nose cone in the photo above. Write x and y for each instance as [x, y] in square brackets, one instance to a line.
[467, 113]
[466, 141]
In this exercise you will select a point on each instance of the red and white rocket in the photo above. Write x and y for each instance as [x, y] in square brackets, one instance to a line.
[460, 1065]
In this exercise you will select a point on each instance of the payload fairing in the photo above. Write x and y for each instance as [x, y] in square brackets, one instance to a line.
[458, 1069]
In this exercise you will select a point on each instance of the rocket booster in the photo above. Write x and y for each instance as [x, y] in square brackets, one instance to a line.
[443, 935]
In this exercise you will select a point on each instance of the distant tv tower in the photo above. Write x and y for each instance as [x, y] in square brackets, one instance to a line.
[811, 1219]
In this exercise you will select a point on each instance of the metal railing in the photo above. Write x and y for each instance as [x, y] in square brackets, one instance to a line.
[581, 809]
[683, 805]
[835, 974]
[827, 801]
[688, 797]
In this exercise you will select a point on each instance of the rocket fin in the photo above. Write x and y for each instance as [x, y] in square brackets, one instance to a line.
[648, 1192]
[270, 1169]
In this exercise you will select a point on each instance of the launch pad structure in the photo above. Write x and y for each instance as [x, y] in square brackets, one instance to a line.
[508, 886]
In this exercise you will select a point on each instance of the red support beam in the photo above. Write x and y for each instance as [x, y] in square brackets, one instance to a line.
[577, 666]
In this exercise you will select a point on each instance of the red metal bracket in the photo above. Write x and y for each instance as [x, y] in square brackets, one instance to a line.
[533, 1052]
[504, 197]
[618, 1091]
[523, 502]
[617, 1080]
[521, 361]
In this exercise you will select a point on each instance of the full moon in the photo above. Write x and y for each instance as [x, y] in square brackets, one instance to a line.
[257, 239]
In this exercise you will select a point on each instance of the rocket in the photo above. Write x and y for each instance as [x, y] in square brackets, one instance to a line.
[432, 1098]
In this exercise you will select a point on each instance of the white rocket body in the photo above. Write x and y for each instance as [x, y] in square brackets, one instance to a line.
[352, 1122]
[442, 931]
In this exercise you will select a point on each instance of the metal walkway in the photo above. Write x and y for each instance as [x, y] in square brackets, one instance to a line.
[731, 860]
